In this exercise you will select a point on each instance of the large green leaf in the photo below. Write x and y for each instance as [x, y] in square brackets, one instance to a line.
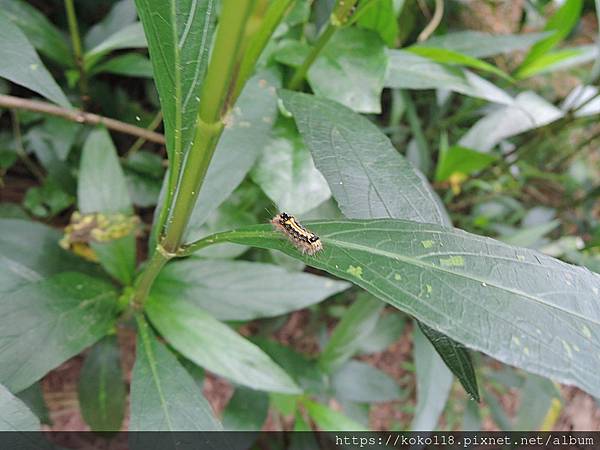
[29, 252]
[286, 173]
[101, 387]
[350, 69]
[483, 45]
[380, 17]
[22, 65]
[164, 397]
[517, 305]
[179, 35]
[241, 290]
[434, 381]
[14, 414]
[42, 34]
[245, 135]
[214, 346]
[367, 176]
[409, 71]
[357, 323]
[102, 188]
[383, 184]
[44, 323]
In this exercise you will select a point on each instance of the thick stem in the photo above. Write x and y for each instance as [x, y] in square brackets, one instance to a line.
[77, 48]
[144, 282]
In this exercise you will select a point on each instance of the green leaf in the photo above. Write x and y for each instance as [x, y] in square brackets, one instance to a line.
[380, 17]
[434, 381]
[44, 323]
[363, 169]
[12, 211]
[350, 70]
[537, 398]
[360, 382]
[388, 330]
[357, 323]
[101, 387]
[560, 25]
[245, 135]
[121, 15]
[456, 358]
[286, 172]
[22, 65]
[14, 414]
[529, 111]
[33, 397]
[130, 36]
[164, 397]
[461, 160]
[560, 60]
[216, 347]
[241, 290]
[409, 71]
[29, 252]
[128, 65]
[179, 35]
[446, 56]
[144, 173]
[329, 420]
[102, 188]
[483, 45]
[42, 34]
[455, 283]
[246, 411]
[47, 200]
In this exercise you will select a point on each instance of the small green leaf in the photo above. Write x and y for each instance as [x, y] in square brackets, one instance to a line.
[128, 65]
[446, 56]
[461, 160]
[456, 357]
[434, 381]
[47, 200]
[350, 70]
[101, 387]
[44, 323]
[22, 65]
[560, 25]
[329, 420]
[144, 172]
[360, 382]
[357, 323]
[216, 347]
[130, 36]
[241, 290]
[14, 414]
[538, 397]
[380, 17]
[164, 397]
[483, 45]
[246, 411]
[388, 330]
[121, 15]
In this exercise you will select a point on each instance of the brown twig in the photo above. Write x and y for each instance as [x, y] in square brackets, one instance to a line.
[8, 101]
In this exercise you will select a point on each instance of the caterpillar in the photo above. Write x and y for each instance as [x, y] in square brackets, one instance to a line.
[303, 239]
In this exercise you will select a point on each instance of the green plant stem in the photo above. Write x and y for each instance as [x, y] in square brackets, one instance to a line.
[218, 238]
[141, 140]
[77, 48]
[301, 71]
[21, 153]
[144, 282]
[216, 98]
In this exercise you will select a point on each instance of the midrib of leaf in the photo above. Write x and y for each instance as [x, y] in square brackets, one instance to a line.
[425, 265]
[102, 390]
[152, 362]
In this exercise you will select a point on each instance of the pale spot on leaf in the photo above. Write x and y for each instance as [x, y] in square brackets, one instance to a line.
[355, 271]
